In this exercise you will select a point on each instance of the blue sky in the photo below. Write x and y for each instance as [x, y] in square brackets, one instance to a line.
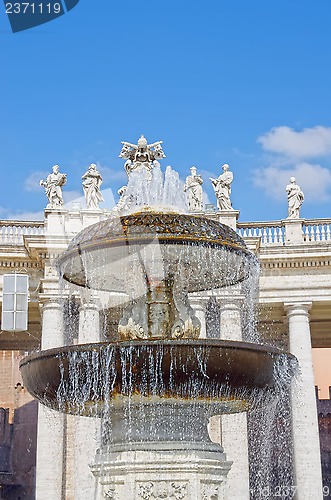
[246, 83]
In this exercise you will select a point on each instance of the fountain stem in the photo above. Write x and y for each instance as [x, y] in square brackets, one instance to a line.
[160, 307]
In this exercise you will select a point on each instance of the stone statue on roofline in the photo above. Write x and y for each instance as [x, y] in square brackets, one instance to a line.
[222, 188]
[295, 198]
[92, 181]
[53, 187]
[193, 190]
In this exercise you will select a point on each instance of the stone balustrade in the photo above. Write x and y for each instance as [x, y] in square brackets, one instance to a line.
[270, 232]
[273, 232]
[12, 231]
[317, 230]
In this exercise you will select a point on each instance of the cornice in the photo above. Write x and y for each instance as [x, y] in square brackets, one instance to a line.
[295, 263]
[46, 246]
[294, 257]
[18, 264]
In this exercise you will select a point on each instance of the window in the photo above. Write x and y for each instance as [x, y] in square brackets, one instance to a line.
[15, 302]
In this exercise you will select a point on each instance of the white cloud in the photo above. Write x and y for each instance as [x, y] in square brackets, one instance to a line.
[307, 143]
[25, 215]
[206, 174]
[31, 183]
[69, 196]
[314, 180]
[110, 175]
[242, 154]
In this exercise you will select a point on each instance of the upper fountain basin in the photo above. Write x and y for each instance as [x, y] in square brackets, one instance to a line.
[156, 245]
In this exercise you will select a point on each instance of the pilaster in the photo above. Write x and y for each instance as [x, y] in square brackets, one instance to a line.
[293, 231]
[55, 219]
[229, 217]
[89, 216]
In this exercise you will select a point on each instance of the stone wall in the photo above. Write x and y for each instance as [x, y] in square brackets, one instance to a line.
[18, 432]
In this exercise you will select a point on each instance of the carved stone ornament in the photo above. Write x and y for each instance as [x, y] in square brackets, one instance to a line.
[210, 492]
[158, 490]
[141, 155]
[111, 493]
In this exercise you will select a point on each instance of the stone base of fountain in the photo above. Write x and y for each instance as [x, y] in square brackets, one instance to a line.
[167, 471]
[155, 450]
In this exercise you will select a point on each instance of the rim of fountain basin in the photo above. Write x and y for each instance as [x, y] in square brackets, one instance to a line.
[120, 234]
[225, 371]
[119, 228]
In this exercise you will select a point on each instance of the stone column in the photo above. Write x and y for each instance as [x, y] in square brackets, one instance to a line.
[307, 459]
[89, 323]
[87, 429]
[234, 427]
[50, 448]
[52, 324]
[230, 317]
[199, 304]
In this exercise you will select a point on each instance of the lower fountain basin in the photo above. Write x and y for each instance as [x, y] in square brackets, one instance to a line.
[87, 379]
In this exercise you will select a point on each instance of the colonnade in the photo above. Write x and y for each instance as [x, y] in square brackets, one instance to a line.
[231, 430]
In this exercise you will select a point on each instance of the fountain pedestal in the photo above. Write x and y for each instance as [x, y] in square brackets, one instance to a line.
[160, 451]
[173, 473]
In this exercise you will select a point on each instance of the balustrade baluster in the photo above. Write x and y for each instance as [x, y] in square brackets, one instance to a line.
[317, 232]
[305, 233]
[10, 234]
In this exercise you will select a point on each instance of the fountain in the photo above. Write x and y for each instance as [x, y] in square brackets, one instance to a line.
[156, 386]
